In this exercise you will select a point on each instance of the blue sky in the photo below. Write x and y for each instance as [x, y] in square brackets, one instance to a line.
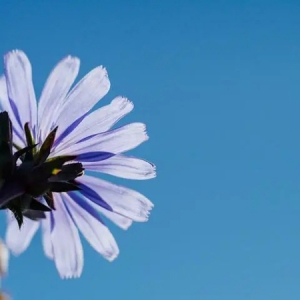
[217, 83]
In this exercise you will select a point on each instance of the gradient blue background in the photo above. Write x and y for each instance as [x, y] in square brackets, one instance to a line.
[217, 83]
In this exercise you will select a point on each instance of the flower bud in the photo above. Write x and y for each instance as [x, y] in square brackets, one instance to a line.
[4, 296]
[4, 258]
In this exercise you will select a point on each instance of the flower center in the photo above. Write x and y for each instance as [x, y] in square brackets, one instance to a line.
[36, 176]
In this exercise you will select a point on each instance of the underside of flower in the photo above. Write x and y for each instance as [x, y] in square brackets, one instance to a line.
[39, 179]
[35, 176]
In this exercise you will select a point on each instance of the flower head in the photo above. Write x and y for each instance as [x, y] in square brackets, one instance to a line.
[62, 136]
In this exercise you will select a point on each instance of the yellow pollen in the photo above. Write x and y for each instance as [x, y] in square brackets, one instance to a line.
[55, 171]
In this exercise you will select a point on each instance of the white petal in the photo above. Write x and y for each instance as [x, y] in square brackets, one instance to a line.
[99, 120]
[67, 248]
[18, 136]
[122, 200]
[124, 167]
[55, 91]
[96, 233]
[20, 87]
[83, 97]
[115, 141]
[46, 237]
[17, 239]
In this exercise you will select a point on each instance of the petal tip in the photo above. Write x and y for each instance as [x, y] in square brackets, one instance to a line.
[70, 275]
[101, 75]
[16, 53]
[123, 103]
[151, 172]
[142, 128]
[113, 255]
[127, 225]
[71, 59]
[70, 62]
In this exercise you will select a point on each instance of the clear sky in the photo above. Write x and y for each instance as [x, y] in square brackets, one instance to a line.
[217, 83]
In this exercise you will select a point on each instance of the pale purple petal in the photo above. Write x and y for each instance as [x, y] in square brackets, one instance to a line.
[67, 247]
[122, 200]
[17, 239]
[96, 233]
[18, 136]
[46, 237]
[115, 141]
[124, 167]
[20, 89]
[94, 156]
[55, 91]
[82, 99]
[119, 220]
[98, 121]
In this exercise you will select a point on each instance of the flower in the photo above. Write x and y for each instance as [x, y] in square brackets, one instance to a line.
[87, 138]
